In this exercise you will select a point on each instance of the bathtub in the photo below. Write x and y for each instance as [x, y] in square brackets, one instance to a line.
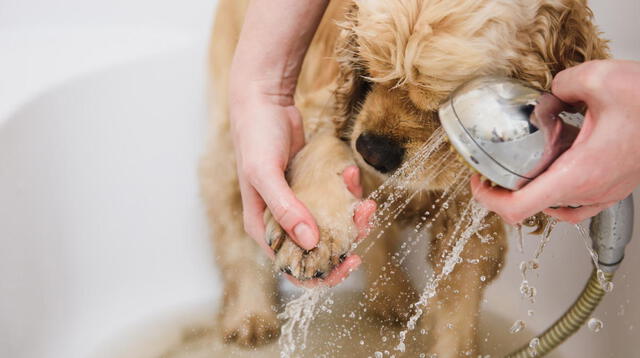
[103, 244]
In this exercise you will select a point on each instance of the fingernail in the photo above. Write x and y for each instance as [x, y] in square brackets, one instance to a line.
[305, 236]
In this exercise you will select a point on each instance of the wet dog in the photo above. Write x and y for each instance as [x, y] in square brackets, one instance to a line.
[383, 67]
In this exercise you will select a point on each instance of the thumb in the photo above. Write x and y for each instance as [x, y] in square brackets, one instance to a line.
[581, 83]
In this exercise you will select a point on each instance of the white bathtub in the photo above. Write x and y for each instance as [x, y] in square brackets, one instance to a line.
[101, 228]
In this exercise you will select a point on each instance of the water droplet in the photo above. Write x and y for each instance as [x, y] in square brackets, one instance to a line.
[595, 325]
[483, 278]
[378, 354]
[530, 313]
[423, 331]
[384, 338]
[523, 266]
[533, 347]
[517, 326]
[362, 343]
[440, 236]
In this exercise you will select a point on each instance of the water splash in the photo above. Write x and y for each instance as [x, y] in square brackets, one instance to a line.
[474, 215]
[533, 346]
[298, 315]
[526, 290]
[605, 284]
[299, 312]
[520, 240]
[545, 237]
[517, 326]
[595, 325]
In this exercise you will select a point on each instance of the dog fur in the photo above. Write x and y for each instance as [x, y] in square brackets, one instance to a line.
[384, 67]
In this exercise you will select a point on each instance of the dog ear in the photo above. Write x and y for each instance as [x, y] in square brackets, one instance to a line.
[563, 35]
[352, 84]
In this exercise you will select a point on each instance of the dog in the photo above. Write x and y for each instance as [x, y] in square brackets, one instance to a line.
[384, 67]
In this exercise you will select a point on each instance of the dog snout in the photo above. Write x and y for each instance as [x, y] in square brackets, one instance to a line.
[382, 153]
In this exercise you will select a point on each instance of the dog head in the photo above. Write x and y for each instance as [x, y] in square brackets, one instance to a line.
[400, 59]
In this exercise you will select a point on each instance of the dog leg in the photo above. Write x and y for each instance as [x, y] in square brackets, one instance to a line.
[453, 313]
[389, 289]
[247, 313]
[315, 175]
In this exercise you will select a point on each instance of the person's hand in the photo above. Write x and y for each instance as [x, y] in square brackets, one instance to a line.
[266, 127]
[267, 133]
[602, 166]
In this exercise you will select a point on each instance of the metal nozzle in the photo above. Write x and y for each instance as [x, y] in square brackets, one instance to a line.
[611, 231]
[507, 130]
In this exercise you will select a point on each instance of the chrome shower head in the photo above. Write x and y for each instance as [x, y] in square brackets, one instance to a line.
[511, 133]
[507, 130]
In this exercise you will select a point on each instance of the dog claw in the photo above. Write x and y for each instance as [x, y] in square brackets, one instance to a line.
[274, 236]
[287, 270]
[318, 274]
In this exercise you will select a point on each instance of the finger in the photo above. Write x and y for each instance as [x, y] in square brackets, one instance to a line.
[575, 216]
[339, 274]
[580, 83]
[288, 211]
[362, 218]
[351, 176]
[495, 199]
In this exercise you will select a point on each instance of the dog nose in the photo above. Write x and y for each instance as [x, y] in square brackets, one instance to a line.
[382, 153]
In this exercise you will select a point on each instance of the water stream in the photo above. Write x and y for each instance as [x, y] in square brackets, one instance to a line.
[397, 194]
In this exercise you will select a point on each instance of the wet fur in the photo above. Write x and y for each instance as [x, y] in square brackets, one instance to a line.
[384, 67]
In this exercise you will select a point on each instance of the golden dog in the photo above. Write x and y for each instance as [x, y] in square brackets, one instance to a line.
[384, 67]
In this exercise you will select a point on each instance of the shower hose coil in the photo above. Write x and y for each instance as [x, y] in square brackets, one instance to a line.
[570, 321]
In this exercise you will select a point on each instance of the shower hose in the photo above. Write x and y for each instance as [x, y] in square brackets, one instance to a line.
[570, 321]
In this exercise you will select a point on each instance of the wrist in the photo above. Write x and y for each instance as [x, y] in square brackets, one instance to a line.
[245, 91]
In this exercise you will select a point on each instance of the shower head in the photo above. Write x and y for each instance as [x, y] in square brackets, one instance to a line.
[511, 132]
[507, 130]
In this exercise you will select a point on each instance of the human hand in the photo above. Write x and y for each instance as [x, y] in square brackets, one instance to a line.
[601, 167]
[267, 134]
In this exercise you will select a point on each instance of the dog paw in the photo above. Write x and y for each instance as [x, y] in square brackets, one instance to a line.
[274, 234]
[250, 329]
[333, 247]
